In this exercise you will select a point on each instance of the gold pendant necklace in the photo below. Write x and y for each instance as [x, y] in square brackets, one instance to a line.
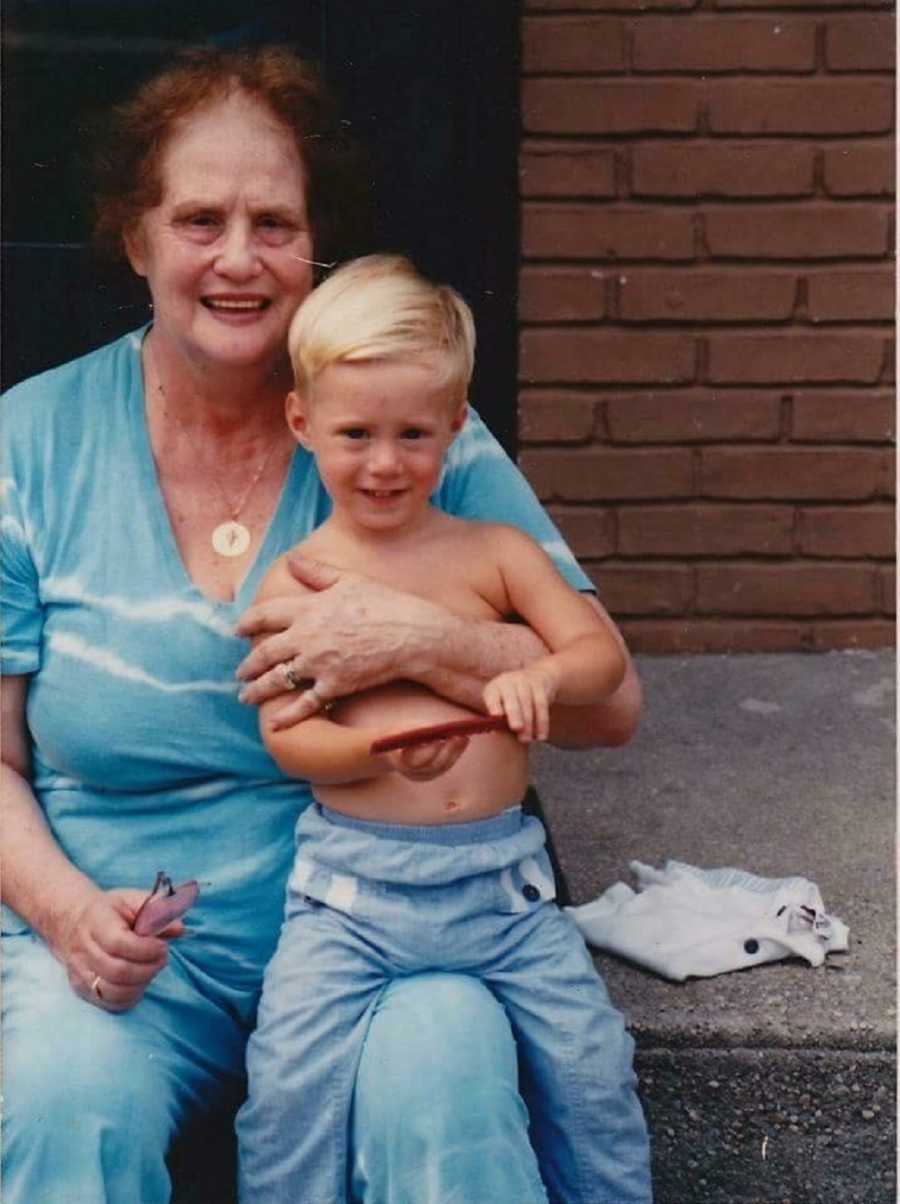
[230, 538]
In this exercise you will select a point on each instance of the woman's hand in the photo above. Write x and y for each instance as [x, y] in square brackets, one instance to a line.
[423, 762]
[109, 965]
[347, 634]
[524, 696]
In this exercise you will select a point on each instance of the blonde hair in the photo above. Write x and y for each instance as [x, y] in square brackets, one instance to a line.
[380, 308]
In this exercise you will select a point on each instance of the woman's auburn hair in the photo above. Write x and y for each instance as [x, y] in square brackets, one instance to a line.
[136, 133]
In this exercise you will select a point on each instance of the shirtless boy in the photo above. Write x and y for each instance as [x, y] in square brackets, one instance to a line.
[420, 858]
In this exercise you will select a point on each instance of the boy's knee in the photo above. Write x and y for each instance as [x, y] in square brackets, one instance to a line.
[446, 1023]
[437, 1038]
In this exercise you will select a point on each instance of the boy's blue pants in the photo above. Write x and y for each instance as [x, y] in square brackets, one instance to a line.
[369, 904]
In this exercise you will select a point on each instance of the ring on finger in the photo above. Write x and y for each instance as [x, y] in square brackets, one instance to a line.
[291, 680]
[322, 703]
[95, 986]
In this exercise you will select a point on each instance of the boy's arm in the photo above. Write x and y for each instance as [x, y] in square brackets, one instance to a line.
[321, 751]
[585, 664]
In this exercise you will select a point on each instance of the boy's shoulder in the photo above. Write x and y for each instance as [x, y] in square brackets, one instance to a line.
[499, 537]
[279, 580]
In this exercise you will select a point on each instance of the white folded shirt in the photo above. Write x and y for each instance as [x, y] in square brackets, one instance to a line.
[683, 921]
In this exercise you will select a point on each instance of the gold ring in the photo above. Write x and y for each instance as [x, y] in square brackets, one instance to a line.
[95, 987]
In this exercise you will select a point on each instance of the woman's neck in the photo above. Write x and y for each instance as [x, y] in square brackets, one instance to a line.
[219, 402]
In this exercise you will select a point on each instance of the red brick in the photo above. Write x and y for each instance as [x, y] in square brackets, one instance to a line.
[795, 358]
[843, 417]
[860, 169]
[601, 232]
[814, 106]
[736, 295]
[556, 416]
[840, 296]
[713, 43]
[797, 232]
[704, 530]
[887, 486]
[845, 531]
[629, 6]
[853, 633]
[888, 582]
[588, 531]
[860, 43]
[694, 417]
[644, 590]
[792, 473]
[585, 356]
[562, 294]
[714, 635]
[786, 589]
[584, 45]
[570, 171]
[747, 169]
[601, 475]
[589, 106]
[732, 4]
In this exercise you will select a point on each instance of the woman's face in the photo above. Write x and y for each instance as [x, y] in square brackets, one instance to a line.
[226, 252]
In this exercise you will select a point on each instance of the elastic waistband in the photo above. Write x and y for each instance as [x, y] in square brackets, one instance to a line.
[507, 823]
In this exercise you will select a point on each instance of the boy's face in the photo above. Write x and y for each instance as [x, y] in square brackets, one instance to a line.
[379, 432]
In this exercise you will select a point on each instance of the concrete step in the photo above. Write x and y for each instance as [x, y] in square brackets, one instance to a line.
[774, 1085]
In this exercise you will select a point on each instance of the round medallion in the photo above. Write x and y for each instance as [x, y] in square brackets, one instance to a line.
[231, 539]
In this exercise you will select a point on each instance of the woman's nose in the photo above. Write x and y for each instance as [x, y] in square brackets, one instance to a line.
[237, 257]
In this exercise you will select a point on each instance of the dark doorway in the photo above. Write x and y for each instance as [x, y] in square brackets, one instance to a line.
[430, 87]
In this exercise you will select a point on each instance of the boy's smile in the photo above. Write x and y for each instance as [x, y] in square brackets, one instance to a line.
[379, 431]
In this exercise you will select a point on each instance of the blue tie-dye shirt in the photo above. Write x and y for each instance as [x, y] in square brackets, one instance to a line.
[143, 757]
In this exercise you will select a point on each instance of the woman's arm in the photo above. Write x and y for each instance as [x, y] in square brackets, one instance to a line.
[348, 633]
[87, 929]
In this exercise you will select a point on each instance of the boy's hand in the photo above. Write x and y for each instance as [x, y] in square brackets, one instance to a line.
[524, 696]
[423, 762]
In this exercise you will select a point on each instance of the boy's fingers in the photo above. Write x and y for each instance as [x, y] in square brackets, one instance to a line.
[543, 717]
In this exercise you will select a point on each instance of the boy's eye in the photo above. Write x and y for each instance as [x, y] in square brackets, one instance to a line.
[414, 432]
[354, 432]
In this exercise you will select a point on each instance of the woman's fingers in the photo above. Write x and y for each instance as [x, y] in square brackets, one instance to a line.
[260, 667]
[264, 618]
[107, 963]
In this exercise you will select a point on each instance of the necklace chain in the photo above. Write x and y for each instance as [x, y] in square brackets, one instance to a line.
[230, 538]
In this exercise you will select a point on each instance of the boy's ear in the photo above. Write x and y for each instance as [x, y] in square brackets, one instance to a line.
[296, 415]
[459, 418]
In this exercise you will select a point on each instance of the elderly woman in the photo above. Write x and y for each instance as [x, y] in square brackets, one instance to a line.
[147, 487]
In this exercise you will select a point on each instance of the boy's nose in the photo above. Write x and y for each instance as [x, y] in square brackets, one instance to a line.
[383, 457]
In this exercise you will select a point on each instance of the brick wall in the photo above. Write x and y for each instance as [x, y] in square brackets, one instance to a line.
[706, 313]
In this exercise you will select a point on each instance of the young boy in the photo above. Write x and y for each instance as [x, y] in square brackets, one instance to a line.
[420, 858]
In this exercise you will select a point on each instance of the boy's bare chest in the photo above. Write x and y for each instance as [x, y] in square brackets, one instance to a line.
[457, 575]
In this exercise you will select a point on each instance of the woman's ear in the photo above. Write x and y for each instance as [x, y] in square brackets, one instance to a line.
[135, 249]
[296, 413]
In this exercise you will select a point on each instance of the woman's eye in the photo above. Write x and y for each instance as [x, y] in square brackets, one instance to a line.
[274, 229]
